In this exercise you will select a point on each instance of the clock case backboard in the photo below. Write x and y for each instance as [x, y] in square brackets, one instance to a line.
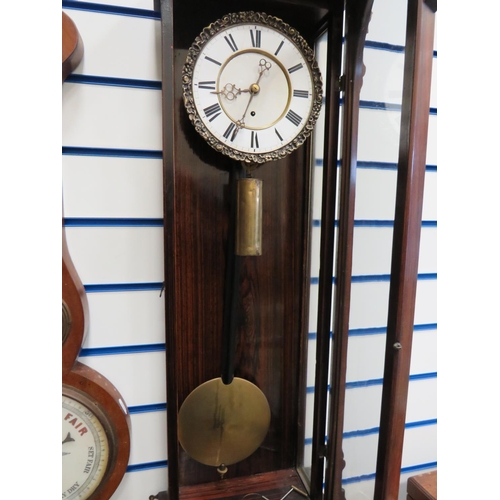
[274, 287]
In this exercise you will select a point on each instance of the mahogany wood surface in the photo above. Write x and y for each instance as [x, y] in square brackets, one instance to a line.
[357, 18]
[273, 286]
[327, 241]
[406, 243]
[422, 487]
[273, 485]
[107, 397]
[72, 46]
[73, 292]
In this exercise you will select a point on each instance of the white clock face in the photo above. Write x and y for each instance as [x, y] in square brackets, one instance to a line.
[85, 450]
[253, 88]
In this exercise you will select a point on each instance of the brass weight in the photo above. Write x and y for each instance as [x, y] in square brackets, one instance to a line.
[249, 217]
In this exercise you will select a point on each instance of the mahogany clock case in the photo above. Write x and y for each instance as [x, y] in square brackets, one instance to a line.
[274, 286]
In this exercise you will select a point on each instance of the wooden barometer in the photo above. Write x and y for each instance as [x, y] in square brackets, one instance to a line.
[95, 419]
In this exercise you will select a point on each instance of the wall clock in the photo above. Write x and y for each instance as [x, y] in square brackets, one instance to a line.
[253, 91]
[250, 111]
[220, 79]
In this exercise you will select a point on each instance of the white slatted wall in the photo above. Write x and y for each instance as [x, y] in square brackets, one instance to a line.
[112, 191]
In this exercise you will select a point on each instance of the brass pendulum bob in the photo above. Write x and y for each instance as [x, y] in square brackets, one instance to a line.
[225, 420]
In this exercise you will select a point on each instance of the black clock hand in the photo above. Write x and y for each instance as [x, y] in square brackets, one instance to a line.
[68, 439]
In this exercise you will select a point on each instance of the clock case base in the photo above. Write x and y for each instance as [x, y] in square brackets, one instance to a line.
[271, 484]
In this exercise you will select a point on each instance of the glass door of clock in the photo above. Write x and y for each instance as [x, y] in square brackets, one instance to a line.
[376, 176]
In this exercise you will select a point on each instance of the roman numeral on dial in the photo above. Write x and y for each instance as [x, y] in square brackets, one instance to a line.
[228, 131]
[213, 61]
[254, 142]
[207, 85]
[256, 38]
[214, 111]
[293, 117]
[301, 93]
[295, 68]
[230, 41]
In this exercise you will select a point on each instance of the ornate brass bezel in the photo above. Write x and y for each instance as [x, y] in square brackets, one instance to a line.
[187, 80]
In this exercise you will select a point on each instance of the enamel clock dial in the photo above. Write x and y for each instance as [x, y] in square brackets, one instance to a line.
[252, 87]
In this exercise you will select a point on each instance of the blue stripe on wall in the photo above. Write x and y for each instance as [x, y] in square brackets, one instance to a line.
[377, 278]
[368, 383]
[387, 277]
[147, 466]
[404, 470]
[378, 381]
[387, 106]
[128, 287]
[133, 410]
[112, 152]
[376, 430]
[377, 330]
[123, 287]
[113, 81]
[384, 106]
[158, 222]
[121, 349]
[156, 85]
[110, 9]
[370, 44]
[112, 222]
[378, 165]
[142, 348]
[375, 223]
